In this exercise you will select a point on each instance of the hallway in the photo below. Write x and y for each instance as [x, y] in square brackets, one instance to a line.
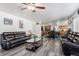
[49, 48]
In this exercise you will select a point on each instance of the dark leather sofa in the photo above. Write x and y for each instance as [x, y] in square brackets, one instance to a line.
[70, 44]
[12, 39]
[70, 48]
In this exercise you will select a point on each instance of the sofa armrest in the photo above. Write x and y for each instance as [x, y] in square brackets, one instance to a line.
[5, 44]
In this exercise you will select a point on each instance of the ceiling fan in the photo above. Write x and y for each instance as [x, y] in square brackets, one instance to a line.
[32, 6]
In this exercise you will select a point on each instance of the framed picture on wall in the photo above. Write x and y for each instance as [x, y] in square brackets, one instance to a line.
[8, 21]
[20, 23]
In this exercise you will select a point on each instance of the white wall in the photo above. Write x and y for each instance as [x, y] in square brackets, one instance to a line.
[76, 24]
[28, 25]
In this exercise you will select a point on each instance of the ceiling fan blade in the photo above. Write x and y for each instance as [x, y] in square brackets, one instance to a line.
[23, 8]
[40, 7]
[25, 3]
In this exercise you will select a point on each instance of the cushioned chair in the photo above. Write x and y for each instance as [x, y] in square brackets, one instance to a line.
[52, 34]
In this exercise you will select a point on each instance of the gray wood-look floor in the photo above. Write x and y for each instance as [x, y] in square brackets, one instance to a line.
[49, 48]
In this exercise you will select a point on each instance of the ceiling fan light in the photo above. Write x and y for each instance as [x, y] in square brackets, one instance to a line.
[33, 8]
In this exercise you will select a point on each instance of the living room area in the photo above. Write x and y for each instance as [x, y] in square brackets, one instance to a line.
[39, 29]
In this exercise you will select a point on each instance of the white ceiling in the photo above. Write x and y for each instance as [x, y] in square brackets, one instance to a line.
[53, 11]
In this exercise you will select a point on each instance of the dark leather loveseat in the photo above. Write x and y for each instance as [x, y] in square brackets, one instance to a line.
[12, 39]
[70, 44]
[70, 48]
